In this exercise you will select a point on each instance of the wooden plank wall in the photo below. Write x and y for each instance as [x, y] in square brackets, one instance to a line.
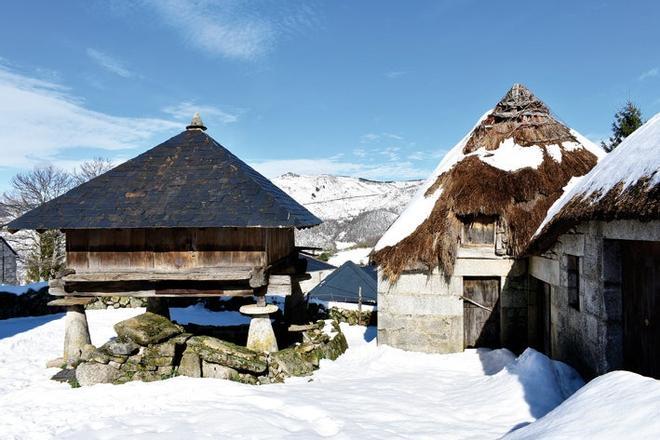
[175, 249]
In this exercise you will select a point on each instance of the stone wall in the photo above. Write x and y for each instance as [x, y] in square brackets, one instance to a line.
[424, 312]
[590, 339]
[149, 347]
[117, 302]
[351, 317]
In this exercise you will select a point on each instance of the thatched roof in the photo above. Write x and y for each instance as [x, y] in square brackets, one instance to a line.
[625, 185]
[188, 181]
[512, 165]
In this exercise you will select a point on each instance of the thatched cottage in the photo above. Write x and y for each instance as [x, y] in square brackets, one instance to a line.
[186, 218]
[451, 274]
[596, 269]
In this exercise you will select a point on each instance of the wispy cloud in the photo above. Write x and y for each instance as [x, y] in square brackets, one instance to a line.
[186, 109]
[40, 120]
[109, 63]
[231, 28]
[394, 74]
[651, 73]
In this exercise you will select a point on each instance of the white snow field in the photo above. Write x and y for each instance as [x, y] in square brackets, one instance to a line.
[370, 392]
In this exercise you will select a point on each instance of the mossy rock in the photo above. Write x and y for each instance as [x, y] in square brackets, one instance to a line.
[230, 355]
[147, 329]
[290, 362]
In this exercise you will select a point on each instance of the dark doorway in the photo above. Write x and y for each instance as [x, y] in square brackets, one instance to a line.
[641, 306]
[542, 341]
[481, 312]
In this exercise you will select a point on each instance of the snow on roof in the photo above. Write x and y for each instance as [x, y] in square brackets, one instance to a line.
[635, 160]
[508, 155]
[420, 206]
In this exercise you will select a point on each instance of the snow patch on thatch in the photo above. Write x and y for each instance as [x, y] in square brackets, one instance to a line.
[624, 185]
[512, 166]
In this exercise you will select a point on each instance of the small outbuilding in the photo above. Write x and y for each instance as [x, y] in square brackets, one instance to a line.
[452, 273]
[349, 283]
[186, 218]
[7, 263]
[595, 264]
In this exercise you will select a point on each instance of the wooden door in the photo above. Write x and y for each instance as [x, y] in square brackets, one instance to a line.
[543, 322]
[641, 307]
[481, 312]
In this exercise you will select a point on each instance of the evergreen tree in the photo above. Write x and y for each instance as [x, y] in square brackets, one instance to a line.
[626, 120]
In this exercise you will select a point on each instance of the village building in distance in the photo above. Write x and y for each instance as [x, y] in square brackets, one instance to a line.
[186, 218]
[8, 263]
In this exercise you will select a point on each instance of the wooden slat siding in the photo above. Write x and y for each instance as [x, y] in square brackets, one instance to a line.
[280, 243]
[175, 249]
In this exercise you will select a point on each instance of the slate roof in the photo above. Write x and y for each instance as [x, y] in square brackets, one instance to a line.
[342, 285]
[315, 265]
[188, 181]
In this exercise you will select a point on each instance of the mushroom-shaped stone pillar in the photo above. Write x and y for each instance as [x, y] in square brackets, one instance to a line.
[261, 336]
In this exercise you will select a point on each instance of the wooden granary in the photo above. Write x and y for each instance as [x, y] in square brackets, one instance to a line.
[185, 218]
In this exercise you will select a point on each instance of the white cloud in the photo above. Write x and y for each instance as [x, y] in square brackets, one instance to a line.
[40, 119]
[649, 74]
[232, 28]
[333, 165]
[185, 110]
[394, 74]
[109, 63]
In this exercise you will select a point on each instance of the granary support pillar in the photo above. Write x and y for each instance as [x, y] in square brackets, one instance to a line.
[76, 329]
[261, 336]
[158, 306]
[295, 307]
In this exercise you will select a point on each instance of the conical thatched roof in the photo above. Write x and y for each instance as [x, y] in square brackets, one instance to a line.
[512, 165]
[189, 181]
[624, 185]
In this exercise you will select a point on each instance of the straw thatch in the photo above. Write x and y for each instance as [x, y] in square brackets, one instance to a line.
[623, 186]
[473, 188]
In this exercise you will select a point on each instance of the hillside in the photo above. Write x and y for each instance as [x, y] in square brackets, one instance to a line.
[354, 210]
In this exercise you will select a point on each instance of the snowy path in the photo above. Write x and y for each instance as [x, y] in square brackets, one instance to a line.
[369, 392]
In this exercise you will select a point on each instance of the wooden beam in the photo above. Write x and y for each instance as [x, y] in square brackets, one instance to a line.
[166, 293]
[210, 274]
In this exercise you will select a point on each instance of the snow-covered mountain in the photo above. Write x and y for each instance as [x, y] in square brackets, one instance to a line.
[354, 210]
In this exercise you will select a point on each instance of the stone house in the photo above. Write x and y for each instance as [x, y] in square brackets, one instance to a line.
[7, 263]
[595, 269]
[451, 268]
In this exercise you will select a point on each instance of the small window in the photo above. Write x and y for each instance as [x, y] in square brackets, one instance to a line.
[573, 282]
[479, 231]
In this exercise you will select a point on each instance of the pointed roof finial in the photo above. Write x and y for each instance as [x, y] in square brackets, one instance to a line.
[196, 123]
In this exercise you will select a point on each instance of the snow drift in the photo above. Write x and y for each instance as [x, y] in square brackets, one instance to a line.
[614, 406]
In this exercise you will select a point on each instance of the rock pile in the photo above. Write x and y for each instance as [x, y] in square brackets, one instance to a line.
[150, 347]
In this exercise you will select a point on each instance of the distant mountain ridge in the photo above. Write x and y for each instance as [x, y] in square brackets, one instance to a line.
[353, 210]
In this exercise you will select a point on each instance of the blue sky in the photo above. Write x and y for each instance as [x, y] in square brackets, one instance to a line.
[377, 89]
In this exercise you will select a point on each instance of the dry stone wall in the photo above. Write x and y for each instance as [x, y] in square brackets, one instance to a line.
[149, 347]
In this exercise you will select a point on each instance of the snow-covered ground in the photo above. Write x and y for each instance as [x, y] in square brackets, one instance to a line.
[369, 392]
[357, 256]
